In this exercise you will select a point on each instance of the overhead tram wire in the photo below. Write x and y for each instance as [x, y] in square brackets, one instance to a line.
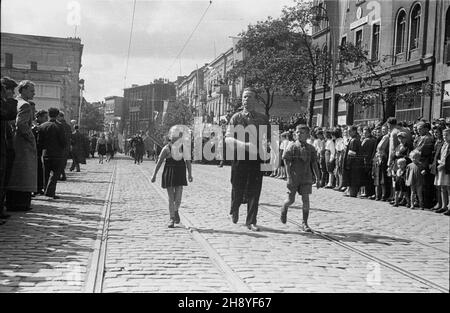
[189, 38]
[129, 46]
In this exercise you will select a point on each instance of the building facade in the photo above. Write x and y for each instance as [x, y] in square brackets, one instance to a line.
[191, 90]
[406, 41]
[145, 104]
[52, 63]
[114, 114]
[221, 92]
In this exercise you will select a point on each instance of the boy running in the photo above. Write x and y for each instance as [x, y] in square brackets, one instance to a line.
[301, 162]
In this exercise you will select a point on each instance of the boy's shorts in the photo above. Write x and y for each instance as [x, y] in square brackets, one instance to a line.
[305, 189]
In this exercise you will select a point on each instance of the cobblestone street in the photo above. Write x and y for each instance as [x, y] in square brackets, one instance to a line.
[108, 233]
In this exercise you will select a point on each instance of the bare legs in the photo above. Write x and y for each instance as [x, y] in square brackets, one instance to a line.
[175, 194]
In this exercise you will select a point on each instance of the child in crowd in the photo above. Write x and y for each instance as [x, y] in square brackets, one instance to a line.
[301, 163]
[283, 146]
[330, 155]
[173, 178]
[400, 185]
[415, 178]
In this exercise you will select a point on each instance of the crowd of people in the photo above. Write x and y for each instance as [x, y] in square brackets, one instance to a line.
[288, 124]
[405, 164]
[35, 146]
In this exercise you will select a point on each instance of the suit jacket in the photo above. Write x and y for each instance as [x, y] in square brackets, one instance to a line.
[68, 134]
[52, 140]
[425, 146]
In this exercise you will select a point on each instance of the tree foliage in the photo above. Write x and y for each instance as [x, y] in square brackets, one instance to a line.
[312, 62]
[177, 114]
[91, 117]
[271, 51]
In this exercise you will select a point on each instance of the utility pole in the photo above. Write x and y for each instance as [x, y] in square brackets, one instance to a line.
[81, 84]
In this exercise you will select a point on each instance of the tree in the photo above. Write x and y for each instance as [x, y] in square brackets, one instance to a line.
[375, 75]
[271, 50]
[177, 114]
[92, 119]
[312, 62]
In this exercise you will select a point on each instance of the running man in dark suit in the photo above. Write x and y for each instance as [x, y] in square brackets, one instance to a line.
[246, 174]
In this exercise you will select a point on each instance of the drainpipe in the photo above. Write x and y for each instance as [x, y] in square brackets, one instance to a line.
[433, 64]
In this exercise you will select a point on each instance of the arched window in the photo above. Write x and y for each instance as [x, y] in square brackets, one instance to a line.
[415, 27]
[400, 26]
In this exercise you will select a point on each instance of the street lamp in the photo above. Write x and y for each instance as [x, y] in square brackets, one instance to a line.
[81, 84]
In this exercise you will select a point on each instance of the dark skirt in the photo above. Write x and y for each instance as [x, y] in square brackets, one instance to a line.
[109, 148]
[102, 149]
[174, 173]
[17, 200]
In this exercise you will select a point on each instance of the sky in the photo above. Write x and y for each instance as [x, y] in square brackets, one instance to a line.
[160, 30]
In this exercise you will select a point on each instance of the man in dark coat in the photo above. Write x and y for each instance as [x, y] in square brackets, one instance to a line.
[353, 163]
[8, 112]
[368, 148]
[53, 142]
[41, 117]
[68, 134]
[425, 145]
[78, 150]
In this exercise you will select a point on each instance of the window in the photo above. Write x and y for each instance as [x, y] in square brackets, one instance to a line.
[400, 33]
[33, 65]
[358, 41]
[8, 60]
[375, 41]
[408, 106]
[415, 27]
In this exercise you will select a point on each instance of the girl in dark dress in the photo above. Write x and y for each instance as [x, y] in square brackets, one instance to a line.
[173, 178]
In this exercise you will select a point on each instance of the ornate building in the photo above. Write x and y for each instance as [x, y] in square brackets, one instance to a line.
[407, 43]
[52, 63]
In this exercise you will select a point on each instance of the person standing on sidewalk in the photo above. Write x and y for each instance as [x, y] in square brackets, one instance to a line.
[173, 178]
[52, 139]
[246, 174]
[41, 118]
[301, 164]
[92, 145]
[353, 164]
[443, 173]
[68, 134]
[101, 148]
[78, 156]
[8, 112]
[23, 180]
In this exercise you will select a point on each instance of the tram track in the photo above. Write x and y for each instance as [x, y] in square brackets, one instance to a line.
[95, 274]
[227, 272]
[447, 252]
[363, 253]
[96, 270]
